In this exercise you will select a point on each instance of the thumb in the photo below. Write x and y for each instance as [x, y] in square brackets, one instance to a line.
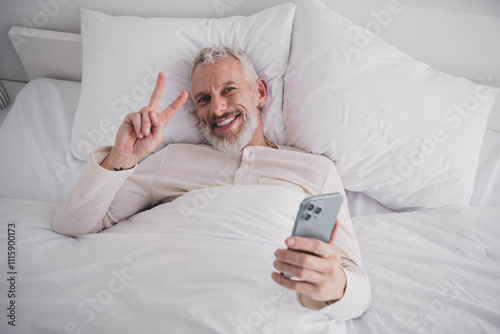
[334, 232]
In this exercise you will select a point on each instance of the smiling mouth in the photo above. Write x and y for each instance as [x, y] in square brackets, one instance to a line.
[225, 122]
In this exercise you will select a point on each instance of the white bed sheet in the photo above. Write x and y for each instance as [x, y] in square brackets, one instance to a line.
[432, 271]
[34, 142]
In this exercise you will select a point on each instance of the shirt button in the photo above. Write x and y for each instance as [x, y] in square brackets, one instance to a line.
[241, 174]
[247, 152]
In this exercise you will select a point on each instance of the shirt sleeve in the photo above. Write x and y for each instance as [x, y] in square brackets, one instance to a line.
[101, 198]
[357, 295]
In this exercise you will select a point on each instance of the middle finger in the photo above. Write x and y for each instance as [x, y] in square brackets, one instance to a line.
[299, 259]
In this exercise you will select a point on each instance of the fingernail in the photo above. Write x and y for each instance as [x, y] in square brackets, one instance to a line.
[290, 242]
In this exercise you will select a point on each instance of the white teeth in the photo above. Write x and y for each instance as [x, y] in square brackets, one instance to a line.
[227, 121]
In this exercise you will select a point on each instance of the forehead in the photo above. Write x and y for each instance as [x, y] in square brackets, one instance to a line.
[214, 75]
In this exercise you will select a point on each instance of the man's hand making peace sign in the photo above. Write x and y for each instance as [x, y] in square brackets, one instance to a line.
[142, 131]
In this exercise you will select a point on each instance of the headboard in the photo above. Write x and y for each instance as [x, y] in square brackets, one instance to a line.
[461, 41]
[49, 54]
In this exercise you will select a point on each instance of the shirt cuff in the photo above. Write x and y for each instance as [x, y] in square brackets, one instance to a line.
[310, 303]
[98, 155]
[350, 306]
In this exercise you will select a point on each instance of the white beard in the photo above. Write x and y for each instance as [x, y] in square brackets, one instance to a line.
[234, 145]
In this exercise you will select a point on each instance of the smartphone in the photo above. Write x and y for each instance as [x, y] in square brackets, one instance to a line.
[317, 217]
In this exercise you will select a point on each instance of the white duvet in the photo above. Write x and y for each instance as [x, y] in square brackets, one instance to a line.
[202, 264]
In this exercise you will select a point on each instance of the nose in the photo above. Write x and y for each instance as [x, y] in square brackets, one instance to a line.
[218, 104]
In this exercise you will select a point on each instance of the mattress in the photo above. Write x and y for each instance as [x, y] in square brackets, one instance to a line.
[431, 271]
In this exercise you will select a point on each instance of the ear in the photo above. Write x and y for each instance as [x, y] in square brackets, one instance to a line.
[262, 93]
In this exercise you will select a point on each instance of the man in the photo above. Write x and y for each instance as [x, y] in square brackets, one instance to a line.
[228, 96]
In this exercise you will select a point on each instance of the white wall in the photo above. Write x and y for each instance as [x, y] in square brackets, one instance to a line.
[64, 15]
[465, 43]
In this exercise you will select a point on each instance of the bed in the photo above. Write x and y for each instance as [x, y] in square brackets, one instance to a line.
[428, 239]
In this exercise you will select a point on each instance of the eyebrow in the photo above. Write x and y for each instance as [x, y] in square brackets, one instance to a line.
[226, 83]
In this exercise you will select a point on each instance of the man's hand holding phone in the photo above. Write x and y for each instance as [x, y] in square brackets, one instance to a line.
[321, 276]
[313, 257]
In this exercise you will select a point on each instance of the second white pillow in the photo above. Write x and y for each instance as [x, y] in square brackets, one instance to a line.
[398, 130]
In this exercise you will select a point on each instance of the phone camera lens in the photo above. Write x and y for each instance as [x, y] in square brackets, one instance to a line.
[310, 207]
[307, 217]
[318, 210]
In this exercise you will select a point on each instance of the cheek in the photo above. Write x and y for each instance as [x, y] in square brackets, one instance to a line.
[245, 103]
[202, 116]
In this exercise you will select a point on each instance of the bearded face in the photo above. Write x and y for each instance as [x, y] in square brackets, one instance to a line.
[226, 104]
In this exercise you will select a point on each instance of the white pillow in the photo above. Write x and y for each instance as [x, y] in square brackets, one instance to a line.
[488, 172]
[123, 55]
[399, 131]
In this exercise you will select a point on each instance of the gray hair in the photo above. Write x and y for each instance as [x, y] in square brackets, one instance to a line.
[212, 54]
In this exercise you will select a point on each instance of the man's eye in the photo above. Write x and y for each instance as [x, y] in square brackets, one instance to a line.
[202, 99]
[229, 89]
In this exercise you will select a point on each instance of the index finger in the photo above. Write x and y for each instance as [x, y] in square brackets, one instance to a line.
[154, 102]
[309, 245]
